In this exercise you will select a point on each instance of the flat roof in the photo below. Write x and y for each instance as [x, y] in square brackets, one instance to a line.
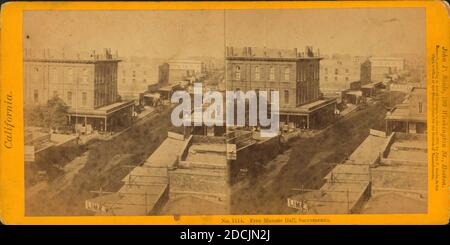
[169, 87]
[354, 92]
[307, 108]
[208, 153]
[84, 61]
[191, 205]
[167, 153]
[368, 150]
[394, 203]
[130, 200]
[334, 198]
[401, 113]
[371, 85]
[146, 175]
[349, 172]
[152, 95]
[102, 111]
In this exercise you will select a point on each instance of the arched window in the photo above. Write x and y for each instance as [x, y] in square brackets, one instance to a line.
[271, 73]
[238, 73]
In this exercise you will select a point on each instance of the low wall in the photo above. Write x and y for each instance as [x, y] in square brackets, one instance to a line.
[362, 199]
[163, 198]
[387, 146]
[208, 139]
[409, 136]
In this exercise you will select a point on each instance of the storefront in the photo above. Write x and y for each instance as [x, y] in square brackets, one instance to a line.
[111, 118]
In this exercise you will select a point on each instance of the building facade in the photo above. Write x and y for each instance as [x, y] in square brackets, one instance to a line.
[338, 72]
[411, 115]
[294, 74]
[375, 69]
[87, 83]
[134, 77]
[180, 70]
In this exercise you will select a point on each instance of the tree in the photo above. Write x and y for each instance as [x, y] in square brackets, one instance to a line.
[51, 116]
[56, 115]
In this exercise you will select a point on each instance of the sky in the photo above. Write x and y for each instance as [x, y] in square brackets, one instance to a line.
[179, 34]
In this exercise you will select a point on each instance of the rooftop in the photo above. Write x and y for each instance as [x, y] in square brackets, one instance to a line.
[270, 53]
[102, 111]
[130, 200]
[68, 56]
[403, 113]
[368, 150]
[306, 108]
[167, 153]
[394, 203]
[191, 205]
[400, 181]
[385, 58]
[214, 154]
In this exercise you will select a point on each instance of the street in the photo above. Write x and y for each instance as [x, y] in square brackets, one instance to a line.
[103, 165]
[309, 160]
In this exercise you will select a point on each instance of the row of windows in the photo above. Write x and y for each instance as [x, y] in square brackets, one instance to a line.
[53, 74]
[133, 73]
[68, 97]
[257, 69]
[269, 95]
[335, 78]
[336, 71]
[134, 80]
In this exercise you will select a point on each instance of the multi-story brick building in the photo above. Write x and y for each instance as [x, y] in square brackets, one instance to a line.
[338, 72]
[375, 69]
[294, 74]
[86, 82]
[136, 74]
[180, 70]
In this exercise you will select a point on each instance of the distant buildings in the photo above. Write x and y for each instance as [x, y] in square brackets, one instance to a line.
[135, 75]
[180, 70]
[376, 69]
[411, 115]
[339, 71]
[294, 74]
[86, 82]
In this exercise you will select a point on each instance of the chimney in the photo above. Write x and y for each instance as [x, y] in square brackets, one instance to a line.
[295, 52]
[250, 51]
[245, 51]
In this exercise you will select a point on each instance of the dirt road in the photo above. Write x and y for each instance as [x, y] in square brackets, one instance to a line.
[103, 165]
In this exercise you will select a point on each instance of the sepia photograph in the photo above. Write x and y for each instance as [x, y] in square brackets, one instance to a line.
[225, 112]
